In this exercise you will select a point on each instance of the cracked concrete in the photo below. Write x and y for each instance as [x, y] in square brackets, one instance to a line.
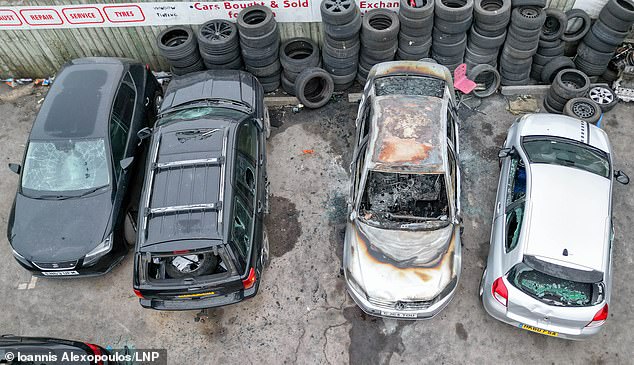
[302, 314]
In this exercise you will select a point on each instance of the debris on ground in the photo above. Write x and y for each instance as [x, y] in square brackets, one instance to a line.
[522, 104]
[298, 108]
[308, 152]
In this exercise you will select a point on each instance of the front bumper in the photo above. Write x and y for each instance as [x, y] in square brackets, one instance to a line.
[176, 304]
[498, 311]
[390, 312]
[103, 266]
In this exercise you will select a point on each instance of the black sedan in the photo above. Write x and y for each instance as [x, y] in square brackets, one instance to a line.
[201, 241]
[73, 199]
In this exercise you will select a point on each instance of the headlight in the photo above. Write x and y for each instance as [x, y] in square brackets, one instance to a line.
[101, 249]
[20, 258]
[355, 286]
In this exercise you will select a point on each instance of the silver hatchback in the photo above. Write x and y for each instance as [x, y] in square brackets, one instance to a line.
[402, 247]
[550, 259]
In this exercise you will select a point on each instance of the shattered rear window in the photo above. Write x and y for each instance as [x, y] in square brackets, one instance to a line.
[405, 200]
[553, 290]
[410, 85]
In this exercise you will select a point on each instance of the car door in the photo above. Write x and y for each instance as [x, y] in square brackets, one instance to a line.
[358, 158]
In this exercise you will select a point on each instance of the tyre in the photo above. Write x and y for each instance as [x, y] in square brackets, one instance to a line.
[538, 3]
[571, 83]
[217, 36]
[615, 23]
[593, 56]
[521, 43]
[338, 12]
[193, 265]
[541, 59]
[299, 53]
[488, 77]
[344, 79]
[549, 44]
[402, 54]
[266, 70]
[341, 69]
[554, 25]
[590, 69]
[595, 43]
[552, 68]
[426, 10]
[351, 51]
[452, 49]
[387, 54]
[549, 108]
[179, 71]
[270, 86]
[604, 96]
[260, 41]
[607, 34]
[491, 30]
[584, 109]
[479, 58]
[287, 85]
[413, 47]
[536, 72]
[222, 58]
[492, 11]
[130, 228]
[259, 62]
[444, 39]
[423, 32]
[553, 51]
[177, 42]
[380, 25]
[314, 87]
[346, 31]
[518, 53]
[457, 27]
[521, 33]
[255, 20]
[235, 64]
[623, 9]
[573, 34]
[528, 17]
[453, 10]
[483, 41]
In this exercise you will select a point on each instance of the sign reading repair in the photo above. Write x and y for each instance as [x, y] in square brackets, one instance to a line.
[161, 13]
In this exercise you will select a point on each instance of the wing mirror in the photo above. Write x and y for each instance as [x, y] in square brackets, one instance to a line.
[126, 162]
[506, 152]
[621, 177]
[15, 168]
[144, 133]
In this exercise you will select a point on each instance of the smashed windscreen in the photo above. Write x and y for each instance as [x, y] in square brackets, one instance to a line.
[553, 290]
[200, 113]
[410, 85]
[559, 151]
[65, 165]
[405, 200]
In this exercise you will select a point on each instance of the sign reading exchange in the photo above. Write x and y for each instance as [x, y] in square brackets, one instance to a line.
[161, 13]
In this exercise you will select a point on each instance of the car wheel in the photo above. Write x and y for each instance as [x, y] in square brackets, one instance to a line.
[130, 228]
[604, 96]
[584, 109]
[265, 249]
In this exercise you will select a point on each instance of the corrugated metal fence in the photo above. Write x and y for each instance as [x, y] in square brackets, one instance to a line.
[39, 53]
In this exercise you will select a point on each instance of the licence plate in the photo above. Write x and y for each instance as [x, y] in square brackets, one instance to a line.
[398, 314]
[539, 330]
[60, 273]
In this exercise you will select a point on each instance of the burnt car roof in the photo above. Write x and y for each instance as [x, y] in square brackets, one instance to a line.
[238, 86]
[409, 134]
[79, 101]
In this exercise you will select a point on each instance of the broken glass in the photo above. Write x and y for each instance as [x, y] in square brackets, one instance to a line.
[410, 85]
[205, 112]
[65, 165]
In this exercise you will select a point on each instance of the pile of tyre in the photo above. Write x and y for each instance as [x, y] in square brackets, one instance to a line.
[452, 21]
[577, 26]
[379, 40]
[341, 22]
[219, 45]
[416, 23]
[598, 46]
[567, 85]
[488, 32]
[522, 41]
[297, 54]
[178, 45]
[259, 45]
[550, 47]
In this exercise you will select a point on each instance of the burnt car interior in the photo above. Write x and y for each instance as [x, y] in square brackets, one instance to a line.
[394, 197]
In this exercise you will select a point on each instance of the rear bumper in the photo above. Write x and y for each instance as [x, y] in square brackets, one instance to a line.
[176, 304]
[498, 311]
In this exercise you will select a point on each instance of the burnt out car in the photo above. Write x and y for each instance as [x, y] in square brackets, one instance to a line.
[201, 241]
[73, 205]
[402, 250]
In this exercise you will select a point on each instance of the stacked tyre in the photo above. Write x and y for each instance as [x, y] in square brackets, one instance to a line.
[341, 22]
[219, 45]
[598, 46]
[259, 45]
[577, 26]
[379, 35]
[568, 84]
[414, 37]
[521, 44]
[178, 45]
[488, 32]
[452, 20]
[550, 45]
[296, 54]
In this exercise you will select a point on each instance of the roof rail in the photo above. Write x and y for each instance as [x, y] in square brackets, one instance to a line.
[188, 163]
[182, 208]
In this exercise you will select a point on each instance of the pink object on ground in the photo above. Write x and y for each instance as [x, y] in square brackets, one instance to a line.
[460, 80]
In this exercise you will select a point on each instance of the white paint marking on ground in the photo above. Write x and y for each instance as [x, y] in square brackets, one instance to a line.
[22, 286]
[28, 286]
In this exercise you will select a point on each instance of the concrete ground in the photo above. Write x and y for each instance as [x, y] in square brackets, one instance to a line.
[302, 313]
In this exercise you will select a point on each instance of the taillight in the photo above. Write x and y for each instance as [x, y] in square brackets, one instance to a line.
[250, 280]
[500, 293]
[180, 252]
[137, 292]
[600, 317]
[96, 351]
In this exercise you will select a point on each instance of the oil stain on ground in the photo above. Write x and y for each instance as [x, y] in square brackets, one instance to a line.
[461, 331]
[282, 225]
[368, 343]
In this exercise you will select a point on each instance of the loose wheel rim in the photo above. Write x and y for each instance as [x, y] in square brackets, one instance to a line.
[216, 31]
[601, 95]
[337, 6]
[583, 110]
[530, 13]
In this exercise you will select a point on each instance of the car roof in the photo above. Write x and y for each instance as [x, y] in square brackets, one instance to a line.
[569, 210]
[238, 86]
[541, 124]
[78, 103]
[408, 134]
